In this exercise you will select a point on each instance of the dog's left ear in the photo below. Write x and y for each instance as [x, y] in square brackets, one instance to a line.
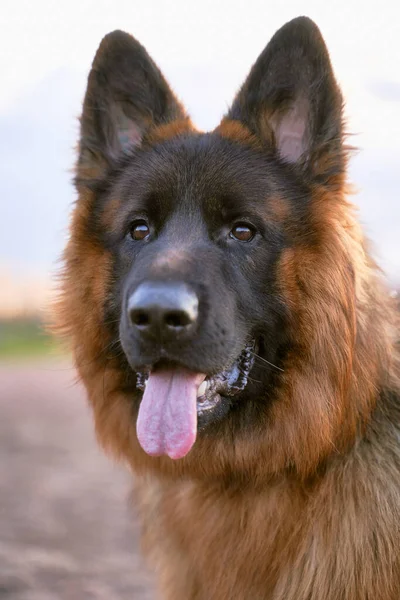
[292, 101]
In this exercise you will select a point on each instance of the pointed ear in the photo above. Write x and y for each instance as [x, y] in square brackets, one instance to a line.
[126, 96]
[292, 101]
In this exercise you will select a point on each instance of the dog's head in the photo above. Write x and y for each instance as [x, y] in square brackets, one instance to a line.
[210, 276]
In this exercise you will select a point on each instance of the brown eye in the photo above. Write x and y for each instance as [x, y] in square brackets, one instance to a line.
[242, 232]
[139, 230]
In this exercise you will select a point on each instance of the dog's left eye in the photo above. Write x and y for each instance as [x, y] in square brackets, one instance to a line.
[139, 230]
[242, 232]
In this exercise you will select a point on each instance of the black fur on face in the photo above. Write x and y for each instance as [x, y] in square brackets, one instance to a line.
[189, 191]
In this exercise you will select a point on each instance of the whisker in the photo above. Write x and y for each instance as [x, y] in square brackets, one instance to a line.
[267, 361]
[252, 379]
[112, 322]
[248, 376]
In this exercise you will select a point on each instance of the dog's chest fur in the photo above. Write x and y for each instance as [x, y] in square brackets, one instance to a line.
[283, 541]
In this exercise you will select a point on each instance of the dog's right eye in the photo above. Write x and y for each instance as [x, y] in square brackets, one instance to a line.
[242, 232]
[139, 230]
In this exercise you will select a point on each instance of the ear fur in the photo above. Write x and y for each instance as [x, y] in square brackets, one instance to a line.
[126, 96]
[292, 102]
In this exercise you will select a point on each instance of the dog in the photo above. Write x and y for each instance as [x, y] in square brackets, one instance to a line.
[235, 337]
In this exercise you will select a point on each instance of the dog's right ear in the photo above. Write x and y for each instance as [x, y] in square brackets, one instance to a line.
[126, 96]
[292, 102]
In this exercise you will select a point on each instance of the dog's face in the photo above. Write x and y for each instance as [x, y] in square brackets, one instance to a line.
[213, 265]
[195, 243]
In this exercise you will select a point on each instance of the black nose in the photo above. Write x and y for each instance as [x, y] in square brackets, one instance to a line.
[158, 309]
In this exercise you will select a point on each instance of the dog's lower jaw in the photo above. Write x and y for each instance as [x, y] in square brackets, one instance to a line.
[217, 392]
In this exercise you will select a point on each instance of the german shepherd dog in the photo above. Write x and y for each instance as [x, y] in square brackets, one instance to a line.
[233, 333]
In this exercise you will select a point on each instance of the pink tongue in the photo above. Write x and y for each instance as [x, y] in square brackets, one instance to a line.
[167, 420]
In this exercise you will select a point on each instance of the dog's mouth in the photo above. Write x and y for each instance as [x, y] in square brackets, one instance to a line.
[176, 399]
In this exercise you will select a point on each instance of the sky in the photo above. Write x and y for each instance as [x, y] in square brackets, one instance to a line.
[205, 48]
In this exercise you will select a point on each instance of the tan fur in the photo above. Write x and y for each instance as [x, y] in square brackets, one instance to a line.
[334, 534]
[316, 508]
[307, 507]
[237, 132]
[169, 131]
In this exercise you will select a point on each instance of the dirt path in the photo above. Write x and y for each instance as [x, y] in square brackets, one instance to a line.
[67, 531]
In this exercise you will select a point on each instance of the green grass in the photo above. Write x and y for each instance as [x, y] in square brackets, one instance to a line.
[21, 338]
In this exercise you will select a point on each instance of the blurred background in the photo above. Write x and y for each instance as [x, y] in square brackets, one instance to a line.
[67, 527]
